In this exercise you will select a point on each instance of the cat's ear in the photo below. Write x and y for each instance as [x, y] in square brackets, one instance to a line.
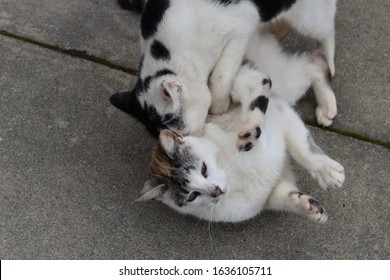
[170, 141]
[152, 190]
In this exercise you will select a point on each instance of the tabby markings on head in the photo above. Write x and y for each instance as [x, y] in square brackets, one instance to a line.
[174, 170]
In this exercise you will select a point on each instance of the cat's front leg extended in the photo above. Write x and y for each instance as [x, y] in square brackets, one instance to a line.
[300, 144]
[252, 89]
[224, 75]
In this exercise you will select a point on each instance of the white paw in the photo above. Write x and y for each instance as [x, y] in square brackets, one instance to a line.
[311, 207]
[330, 174]
[326, 114]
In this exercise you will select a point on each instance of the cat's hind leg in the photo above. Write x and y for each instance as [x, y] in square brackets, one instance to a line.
[316, 19]
[286, 197]
[294, 74]
[300, 144]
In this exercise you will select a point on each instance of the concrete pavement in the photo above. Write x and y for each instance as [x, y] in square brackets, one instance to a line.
[71, 165]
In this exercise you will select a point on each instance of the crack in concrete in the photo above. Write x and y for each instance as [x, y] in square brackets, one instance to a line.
[71, 52]
[349, 134]
[104, 62]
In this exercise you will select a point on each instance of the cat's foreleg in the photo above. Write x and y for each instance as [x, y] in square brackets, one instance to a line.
[224, 75]
[252, 89]
[286, 197]
[300, 144]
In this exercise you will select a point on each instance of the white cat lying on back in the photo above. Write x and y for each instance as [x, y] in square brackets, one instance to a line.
[240, 165]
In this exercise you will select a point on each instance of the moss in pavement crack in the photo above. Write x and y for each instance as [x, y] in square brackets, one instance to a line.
[350, 134]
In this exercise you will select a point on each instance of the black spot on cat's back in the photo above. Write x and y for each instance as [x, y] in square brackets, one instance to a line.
[159, 51]
[269, 9]
[153, 14]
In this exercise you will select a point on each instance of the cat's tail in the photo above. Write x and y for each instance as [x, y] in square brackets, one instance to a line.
[136, 6]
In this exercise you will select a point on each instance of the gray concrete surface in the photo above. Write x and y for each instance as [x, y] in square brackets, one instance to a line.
[98, 27]
[362, 80]
[71, 165]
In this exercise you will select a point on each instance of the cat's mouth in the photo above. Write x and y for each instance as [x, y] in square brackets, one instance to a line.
[218, 194]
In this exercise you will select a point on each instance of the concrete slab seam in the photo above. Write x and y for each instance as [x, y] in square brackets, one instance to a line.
[71, 52]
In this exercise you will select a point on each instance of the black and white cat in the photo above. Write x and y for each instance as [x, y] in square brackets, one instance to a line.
[200, 44]
[240, 165]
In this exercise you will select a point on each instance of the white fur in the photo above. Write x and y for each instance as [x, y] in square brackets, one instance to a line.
[260, 178]
[315, 18]
[202, 38]
[205, 37]
[241, 184]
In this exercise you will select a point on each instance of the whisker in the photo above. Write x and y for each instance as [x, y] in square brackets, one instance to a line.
[200, 219]
[210, 230]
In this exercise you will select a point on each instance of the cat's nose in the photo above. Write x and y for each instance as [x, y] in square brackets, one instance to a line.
[217, 192]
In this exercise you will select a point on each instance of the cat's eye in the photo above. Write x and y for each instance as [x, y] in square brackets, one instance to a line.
[192, 196]
[204, 170]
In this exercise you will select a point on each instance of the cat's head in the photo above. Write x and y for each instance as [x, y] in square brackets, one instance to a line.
[166, 101]
[186, 174]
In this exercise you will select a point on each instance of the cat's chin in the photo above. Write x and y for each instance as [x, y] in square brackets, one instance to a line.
[219, 199]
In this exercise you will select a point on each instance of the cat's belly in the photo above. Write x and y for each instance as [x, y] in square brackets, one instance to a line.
[252, 179]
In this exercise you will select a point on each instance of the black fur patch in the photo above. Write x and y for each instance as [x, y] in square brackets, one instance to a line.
[132, 5]
[159, 51]
[173, 122]
[153, 14]
[261, 103]
[269, 9]
[163, 72]
[258, 132]
[146, 83]
[128, 102]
